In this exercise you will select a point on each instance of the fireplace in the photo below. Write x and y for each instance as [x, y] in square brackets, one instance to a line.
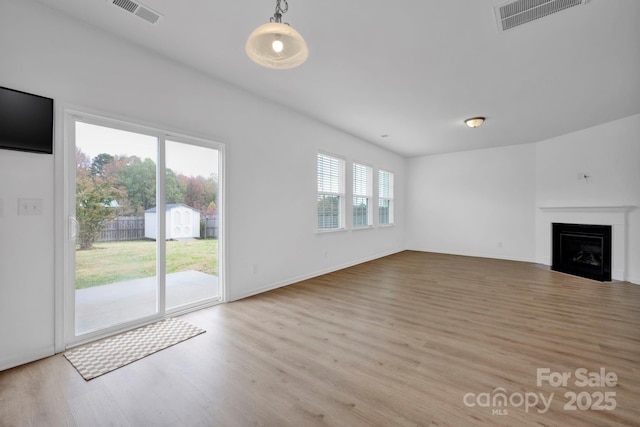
[582, 250]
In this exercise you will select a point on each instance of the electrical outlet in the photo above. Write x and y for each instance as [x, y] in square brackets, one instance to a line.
[29, 206]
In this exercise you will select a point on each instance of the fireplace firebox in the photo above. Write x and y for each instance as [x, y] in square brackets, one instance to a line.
[582, 250]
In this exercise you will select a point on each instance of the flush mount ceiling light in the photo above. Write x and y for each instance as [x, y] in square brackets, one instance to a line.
[276, 44]
[474, 122]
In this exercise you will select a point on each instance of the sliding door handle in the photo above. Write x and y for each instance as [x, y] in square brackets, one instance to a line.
[74, 228]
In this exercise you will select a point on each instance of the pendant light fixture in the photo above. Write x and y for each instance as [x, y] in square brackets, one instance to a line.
[276, 44]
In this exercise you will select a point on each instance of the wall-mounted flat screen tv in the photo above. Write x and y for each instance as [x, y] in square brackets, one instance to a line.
[26, 121]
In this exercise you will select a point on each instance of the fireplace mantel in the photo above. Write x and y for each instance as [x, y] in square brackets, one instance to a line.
[612, 209]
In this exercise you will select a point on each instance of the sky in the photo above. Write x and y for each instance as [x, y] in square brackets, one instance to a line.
[189, 160]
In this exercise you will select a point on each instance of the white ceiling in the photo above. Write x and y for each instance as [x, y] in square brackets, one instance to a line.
[413, 69]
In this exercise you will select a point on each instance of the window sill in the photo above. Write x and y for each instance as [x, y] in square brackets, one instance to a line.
[329, 231]
[366, 227]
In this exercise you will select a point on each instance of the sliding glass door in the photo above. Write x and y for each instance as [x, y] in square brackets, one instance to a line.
[115, 262]
[144, 225]
[191, 211]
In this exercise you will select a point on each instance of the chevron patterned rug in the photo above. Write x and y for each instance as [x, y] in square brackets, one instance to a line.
[99, 358]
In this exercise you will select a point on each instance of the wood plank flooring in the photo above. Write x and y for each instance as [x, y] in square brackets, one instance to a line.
[405, 340]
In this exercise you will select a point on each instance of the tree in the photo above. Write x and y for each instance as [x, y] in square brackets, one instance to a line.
[174, 190]
[94, 197]
[138, 179]
[82, 160]
[210, 189]
[199, 191]
[99, 164]
[212, 209]
[134, 181]
[194, 193]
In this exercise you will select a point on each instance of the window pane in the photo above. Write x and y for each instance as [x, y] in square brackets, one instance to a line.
[328, 211]
[361, 193]
[383, 211]
[329, 174]
[361, 180]
[115, 260]
[330, 192]
[385, 197]
[384, 184]
[360, 211]
[191, 192]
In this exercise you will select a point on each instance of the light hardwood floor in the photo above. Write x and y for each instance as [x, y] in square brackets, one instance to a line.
[400, 341]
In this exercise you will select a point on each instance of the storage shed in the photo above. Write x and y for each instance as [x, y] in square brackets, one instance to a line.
[182, 222]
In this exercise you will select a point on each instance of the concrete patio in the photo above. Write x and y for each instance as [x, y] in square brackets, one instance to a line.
[107, 305]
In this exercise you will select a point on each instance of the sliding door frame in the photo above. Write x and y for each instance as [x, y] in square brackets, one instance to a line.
[65, 166]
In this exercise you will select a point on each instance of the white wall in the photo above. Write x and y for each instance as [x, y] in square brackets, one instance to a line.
[26, 258]
[465, 203]
[271, 176]
[610, 155]
[478, 203]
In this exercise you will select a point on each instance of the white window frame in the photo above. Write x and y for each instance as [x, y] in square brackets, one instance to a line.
[362, 179]
[331, 183]
[385, 196]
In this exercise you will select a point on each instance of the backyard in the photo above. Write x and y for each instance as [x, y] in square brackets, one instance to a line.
[112, 262]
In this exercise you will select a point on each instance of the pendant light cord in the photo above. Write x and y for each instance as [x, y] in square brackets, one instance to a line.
[279, 9]
[277, 16]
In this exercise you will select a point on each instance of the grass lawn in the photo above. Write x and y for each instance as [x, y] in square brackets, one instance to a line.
[113, 262]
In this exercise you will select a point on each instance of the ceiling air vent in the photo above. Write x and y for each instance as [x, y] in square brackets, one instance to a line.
[516, 13]
[138, 9]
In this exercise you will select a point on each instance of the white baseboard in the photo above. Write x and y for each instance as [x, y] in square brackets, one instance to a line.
[297, 279]
[477, 255]
[634, 280]
[614, 275]
[26, 357]
[291, 281]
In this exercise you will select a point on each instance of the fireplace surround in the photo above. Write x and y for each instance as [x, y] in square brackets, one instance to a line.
[582, 249]
[613, 215]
